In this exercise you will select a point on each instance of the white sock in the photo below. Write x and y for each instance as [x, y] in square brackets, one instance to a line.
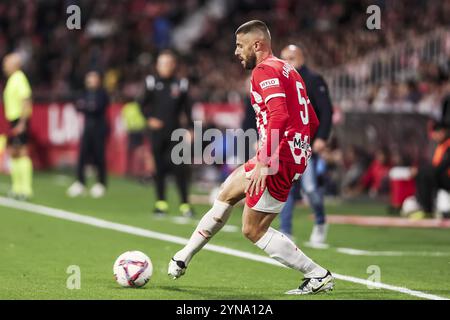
[208, 226]
[282, 249]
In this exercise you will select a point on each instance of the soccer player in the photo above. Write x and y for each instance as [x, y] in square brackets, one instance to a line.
[18, 107]
[286, 123]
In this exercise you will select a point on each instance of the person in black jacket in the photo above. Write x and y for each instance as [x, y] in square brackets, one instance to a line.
[93, 104]
[317, 91]
[435, 175]
[165, 105]
[445, 116]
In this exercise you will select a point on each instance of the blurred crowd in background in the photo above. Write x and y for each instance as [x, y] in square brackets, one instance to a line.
[122, 38]
[124, 46]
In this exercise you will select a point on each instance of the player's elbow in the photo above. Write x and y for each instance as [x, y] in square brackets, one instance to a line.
[280, 121]
[284, 118]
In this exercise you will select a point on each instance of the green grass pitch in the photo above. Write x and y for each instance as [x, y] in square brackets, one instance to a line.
[36, 250]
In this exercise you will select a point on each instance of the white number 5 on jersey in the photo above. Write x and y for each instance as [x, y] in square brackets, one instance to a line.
[302, 101]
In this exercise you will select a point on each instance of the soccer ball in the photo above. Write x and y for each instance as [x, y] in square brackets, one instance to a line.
[133, 269]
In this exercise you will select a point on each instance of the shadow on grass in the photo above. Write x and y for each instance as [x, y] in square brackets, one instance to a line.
[213, 293]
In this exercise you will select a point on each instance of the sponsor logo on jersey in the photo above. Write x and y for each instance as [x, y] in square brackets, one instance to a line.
[300, 148]
[274, 82]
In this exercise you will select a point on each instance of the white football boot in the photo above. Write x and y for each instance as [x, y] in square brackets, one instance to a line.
[177, 268]
[76, 189]
[315, 285]
[318, 237]
[98, 191]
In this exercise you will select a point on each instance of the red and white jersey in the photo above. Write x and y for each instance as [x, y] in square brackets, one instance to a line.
[273, 78]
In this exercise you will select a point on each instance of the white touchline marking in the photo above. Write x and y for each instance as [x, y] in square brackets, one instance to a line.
[181, 220]
[100, 223]
[230, 228]
[361, 252]
[320, 246]
[358, 252]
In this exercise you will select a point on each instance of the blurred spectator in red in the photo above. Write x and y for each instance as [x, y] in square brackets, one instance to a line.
[375, 178]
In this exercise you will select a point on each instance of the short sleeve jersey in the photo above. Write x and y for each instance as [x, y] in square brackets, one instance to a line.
[273, 78]
[17, 89]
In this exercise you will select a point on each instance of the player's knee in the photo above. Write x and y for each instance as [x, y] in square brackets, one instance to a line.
[227, 199]
[309, 188]
[247, 231]
[314, 198]
[225, 196]
[252, 233]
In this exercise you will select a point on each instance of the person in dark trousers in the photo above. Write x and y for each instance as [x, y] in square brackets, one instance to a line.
[165, 105]
[93, 104]
[310, 182]
[431, 177]
[249, 123]
[446, 111]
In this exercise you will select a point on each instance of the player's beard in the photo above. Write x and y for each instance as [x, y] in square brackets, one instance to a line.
[250, 63]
